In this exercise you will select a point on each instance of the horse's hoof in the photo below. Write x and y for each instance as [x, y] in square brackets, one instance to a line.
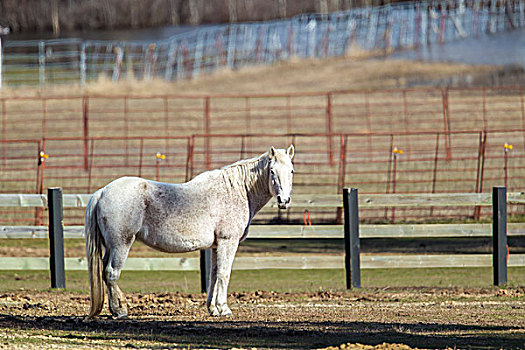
[225, 311]
[214, 311]
[121, 317]
[220, 311]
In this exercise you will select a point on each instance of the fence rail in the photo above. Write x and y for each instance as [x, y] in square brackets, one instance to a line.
[386, 28]
[305, 200]
[309, 232]
[288, 262]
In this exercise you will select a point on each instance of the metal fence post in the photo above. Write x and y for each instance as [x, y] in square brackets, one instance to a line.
[85, 120]
[352, 246]
[41, 63]
[117, 65]
[230, 58]
[328, 121]
[1, 61]
[499, 235]
[197, 58]
[207, 150]
[83, 64]
[205, 265]
[172, 57]
[56, 238]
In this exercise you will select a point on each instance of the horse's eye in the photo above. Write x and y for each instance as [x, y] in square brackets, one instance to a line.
[272, 172]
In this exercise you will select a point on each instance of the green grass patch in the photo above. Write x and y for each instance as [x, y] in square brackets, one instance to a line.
[275, 280]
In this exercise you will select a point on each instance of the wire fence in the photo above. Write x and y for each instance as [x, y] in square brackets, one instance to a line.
[382, 141]
[186, 55]
[480, 161]
[358, 111]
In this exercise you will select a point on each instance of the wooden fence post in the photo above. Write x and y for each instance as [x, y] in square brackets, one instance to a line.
[56, 238]
[499, 235]
[351, 232]
[205, 265]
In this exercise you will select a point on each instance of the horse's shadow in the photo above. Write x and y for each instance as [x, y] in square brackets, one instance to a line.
[221, 333]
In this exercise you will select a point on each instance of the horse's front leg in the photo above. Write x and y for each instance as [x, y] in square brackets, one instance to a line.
[218, 293]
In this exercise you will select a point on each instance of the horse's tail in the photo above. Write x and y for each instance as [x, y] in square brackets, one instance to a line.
[94, 243]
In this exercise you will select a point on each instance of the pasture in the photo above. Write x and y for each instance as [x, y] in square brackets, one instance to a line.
[415, 308]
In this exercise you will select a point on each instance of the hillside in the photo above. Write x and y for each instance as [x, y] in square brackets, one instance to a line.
[300, 75]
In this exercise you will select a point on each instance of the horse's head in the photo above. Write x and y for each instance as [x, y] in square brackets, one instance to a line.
[281, 175]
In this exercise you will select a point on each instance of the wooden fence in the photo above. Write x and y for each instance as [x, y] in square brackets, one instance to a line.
[300, 232]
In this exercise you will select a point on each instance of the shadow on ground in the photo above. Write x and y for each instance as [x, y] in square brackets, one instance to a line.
[218, 333]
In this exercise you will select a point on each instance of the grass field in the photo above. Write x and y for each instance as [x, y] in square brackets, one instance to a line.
[282, 281]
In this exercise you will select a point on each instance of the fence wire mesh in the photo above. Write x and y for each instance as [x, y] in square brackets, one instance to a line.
[186, 55]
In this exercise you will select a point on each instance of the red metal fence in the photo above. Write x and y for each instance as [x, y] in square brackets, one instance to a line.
[382, 141]
[373, 162]
[406, 110]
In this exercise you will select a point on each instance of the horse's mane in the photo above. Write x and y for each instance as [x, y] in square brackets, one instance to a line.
[248, 175]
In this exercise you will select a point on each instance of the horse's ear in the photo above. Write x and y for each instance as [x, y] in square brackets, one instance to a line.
[271, 153]
[291, 151]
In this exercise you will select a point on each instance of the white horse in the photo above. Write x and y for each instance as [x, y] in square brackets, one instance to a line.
[213, 210]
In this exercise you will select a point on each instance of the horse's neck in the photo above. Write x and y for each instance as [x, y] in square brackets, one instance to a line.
[257, 202]
[258, 193]
[252, 185]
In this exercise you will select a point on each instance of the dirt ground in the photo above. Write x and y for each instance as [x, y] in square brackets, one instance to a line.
[365, 319]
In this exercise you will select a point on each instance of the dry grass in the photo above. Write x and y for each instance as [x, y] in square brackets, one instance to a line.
[297, 75]
[322, 75]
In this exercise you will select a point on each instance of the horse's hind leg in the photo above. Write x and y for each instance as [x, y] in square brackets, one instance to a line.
[218, 294]
[113, 263]
[212, 278]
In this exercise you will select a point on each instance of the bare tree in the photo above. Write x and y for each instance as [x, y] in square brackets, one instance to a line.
[175, 12]
[336, 5]
[134, 15]
[232, 11]
[60, 15]
[282, 8]
[194, 12]
[323, 6]
[109, 13]
[249, 8]
[54, 17]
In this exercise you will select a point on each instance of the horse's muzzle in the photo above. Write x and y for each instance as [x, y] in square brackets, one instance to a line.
[283, 204]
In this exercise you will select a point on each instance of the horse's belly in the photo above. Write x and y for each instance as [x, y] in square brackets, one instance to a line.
[175, 242]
